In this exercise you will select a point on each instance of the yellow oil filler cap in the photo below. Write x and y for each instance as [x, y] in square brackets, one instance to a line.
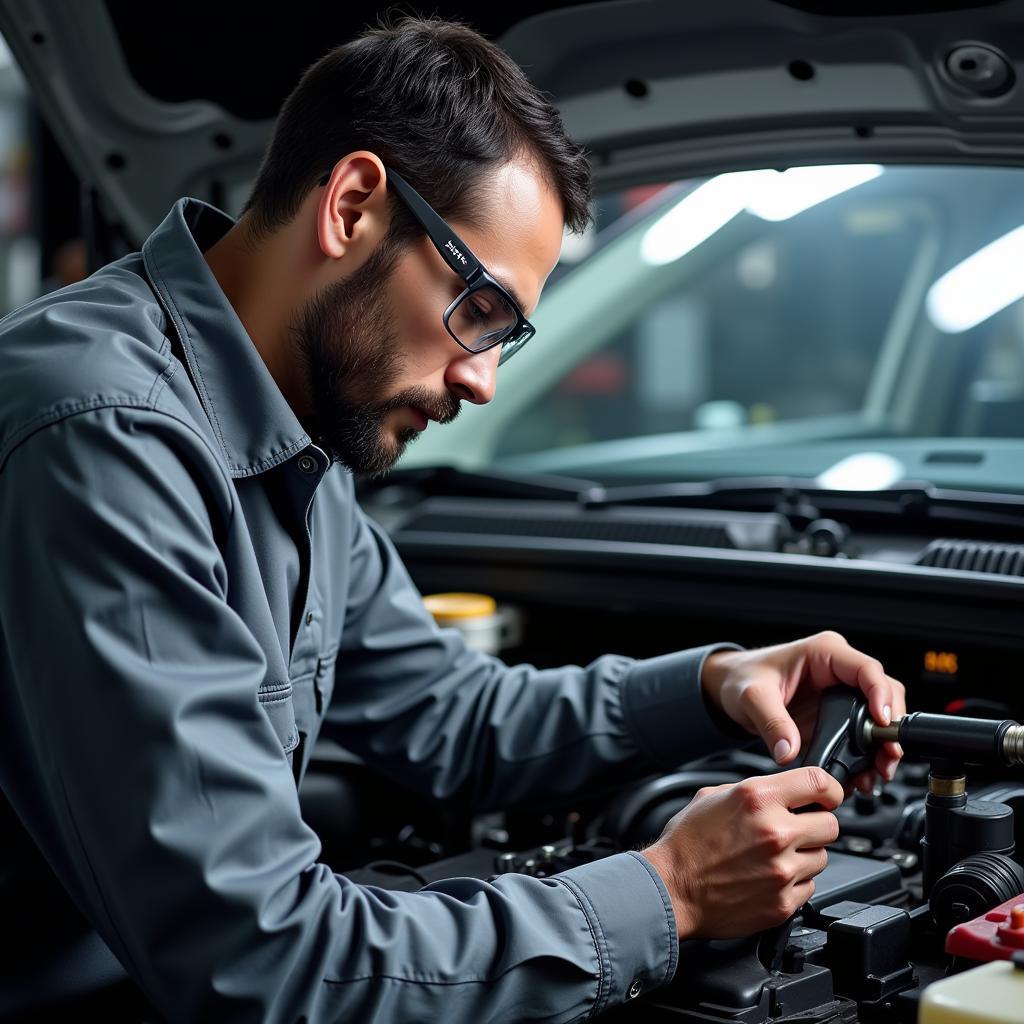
[475, 616]
[447, 608]
[990, 994]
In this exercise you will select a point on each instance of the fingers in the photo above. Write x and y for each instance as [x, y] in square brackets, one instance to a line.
[887, 700]
[817, 829]
[808, 864]
[892, 752]
[765, 707]
[810, 785]
[886, 760]
[802, 892]
[888, 757]
[833, 658]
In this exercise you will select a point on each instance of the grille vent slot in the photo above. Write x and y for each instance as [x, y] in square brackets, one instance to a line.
[975, 556]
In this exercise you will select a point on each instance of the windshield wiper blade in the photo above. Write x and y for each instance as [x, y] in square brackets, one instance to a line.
[908, 499]
[795, 497]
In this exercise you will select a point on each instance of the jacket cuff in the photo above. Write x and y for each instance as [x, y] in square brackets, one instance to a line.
[633, 927]
[665, 709]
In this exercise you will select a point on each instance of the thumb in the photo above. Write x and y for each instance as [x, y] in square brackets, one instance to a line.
[768, 715]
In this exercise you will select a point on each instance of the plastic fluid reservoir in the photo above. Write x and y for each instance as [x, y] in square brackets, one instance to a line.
[990, 994]
[477, 617]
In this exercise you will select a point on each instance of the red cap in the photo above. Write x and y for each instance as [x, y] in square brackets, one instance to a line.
[996, 935]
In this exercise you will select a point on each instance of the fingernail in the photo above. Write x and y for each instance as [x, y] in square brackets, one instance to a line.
[781, 750]
[887, 714]
[890, 771]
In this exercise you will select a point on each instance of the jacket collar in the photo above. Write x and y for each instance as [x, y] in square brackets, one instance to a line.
[250, 416]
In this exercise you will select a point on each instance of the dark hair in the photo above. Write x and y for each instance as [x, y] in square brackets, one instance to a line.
[434, 100]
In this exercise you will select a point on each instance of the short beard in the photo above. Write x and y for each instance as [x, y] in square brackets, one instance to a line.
[346, 340]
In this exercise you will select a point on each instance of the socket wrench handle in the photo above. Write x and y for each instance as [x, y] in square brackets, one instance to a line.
[838, 744]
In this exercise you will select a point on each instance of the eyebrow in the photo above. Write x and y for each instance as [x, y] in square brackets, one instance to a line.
[502, 280]
[506, 284]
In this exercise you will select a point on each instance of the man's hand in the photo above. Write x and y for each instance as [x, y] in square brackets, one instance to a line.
[737, 859]
[774, 692]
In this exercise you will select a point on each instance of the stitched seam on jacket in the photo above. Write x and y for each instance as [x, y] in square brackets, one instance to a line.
[252, 468]
[275, 687]
[62, 412]
[164, 379]
[255, 468]
[276, 699]
[670, 917]
[597, 937]
[92, 406]
[150, 262]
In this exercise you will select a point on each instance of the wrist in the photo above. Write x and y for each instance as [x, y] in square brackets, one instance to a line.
[662, 862]
[713, 677]
[713, 674]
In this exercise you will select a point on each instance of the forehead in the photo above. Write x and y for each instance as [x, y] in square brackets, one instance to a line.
[519, 228]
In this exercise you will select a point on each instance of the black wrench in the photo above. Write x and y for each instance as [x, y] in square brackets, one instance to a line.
[837, 746]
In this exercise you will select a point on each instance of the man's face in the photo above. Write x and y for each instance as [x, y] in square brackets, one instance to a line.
[379, 363]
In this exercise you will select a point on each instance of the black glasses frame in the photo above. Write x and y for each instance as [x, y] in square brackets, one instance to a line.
[461, 260]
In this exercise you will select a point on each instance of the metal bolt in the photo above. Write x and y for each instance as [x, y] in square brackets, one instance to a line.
[979, 69]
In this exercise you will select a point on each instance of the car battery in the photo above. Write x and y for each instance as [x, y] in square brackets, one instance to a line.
[996, 935]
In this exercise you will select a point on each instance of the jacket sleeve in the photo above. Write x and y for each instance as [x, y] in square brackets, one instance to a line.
[135, 752]
[417, 703]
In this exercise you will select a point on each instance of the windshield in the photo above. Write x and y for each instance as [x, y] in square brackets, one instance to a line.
[857, 324]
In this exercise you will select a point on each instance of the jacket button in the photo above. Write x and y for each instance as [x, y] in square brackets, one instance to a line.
[636, 988]
[307, 464]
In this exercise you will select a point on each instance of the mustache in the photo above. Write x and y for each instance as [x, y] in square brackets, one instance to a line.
[443, 408]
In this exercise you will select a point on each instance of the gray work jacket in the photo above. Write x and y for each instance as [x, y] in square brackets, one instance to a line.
[190, 596]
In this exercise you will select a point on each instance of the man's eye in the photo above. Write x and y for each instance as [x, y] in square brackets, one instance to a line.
[481, 314]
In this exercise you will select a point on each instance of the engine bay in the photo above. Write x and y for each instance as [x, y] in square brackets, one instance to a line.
[923, 882]
[883, 924]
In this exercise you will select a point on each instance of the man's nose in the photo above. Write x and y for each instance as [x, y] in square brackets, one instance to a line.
[473, 378]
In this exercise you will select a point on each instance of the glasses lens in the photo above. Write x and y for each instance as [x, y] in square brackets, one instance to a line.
[482, 319]
[510, 346]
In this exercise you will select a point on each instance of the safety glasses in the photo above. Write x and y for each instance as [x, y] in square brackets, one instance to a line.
[484, 314]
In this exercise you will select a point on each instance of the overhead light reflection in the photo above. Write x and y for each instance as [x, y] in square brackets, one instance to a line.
[980, 286]
[697, 216]
[768, 194]
[800, 188]
[864, 471]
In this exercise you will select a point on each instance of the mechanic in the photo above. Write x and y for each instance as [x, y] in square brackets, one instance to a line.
[191, 594]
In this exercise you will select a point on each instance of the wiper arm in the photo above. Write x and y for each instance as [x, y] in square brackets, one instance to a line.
[800, 499]
[805, 498]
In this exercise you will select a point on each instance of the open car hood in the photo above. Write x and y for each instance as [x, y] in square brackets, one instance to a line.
[148, 108]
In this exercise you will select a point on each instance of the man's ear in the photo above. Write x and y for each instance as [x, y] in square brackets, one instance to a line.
[353, 208]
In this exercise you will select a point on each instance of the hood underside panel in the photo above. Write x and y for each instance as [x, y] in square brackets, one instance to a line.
[148, 111]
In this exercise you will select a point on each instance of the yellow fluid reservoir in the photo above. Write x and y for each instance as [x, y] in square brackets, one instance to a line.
[990, 994]
[449, 608]
[476, 616]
